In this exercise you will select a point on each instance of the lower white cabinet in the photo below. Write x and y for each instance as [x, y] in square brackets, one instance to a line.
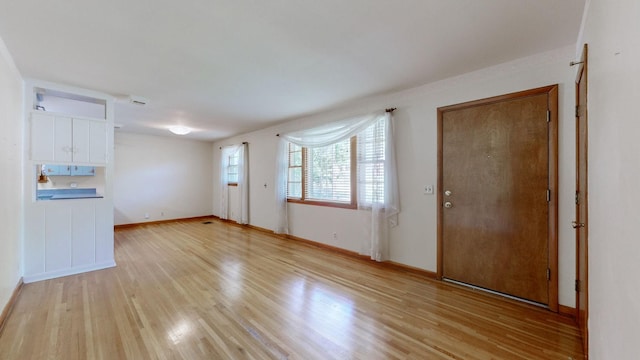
[66, 237]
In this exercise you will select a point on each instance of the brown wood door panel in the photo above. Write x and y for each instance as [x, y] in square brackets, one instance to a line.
[582, 297]
[495, 164]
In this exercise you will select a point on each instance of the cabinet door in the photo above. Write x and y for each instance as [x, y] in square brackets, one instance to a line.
[57, 232]
[51, 170]
[42, 142]
[83, 234]
[63, 144]
[62, 139]
[81, 132]
[54, 170]
[82, 170]
[98, 142]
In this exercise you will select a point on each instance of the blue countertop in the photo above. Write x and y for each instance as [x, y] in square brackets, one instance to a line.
[66, 194]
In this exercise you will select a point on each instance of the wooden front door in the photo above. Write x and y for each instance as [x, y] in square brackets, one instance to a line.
[580, 224]
[497, 190]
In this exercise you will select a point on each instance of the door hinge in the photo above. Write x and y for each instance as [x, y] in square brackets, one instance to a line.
[548, 115]
[548, 274]
[577, 285]
[577, 110]
[548, 195]
[577, 197]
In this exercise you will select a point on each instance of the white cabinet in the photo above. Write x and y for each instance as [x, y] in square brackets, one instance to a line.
[65, 237]
[60, 138]
[97, 142]
[57, 227]
[42, 137]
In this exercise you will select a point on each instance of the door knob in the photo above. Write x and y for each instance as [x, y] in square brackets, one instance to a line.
[448, 204]
[447, 193]
[575, 224]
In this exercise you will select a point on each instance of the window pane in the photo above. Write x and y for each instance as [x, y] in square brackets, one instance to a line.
[294, 187]
[295, 174]
[371, 156]
[233, 159]
[329, 172]
[295, 158]
[232, 173]
[294, 190]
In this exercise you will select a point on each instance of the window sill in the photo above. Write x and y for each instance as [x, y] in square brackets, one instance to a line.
[324, 203]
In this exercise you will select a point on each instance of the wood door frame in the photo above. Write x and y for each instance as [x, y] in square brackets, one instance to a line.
[552, 93]
[582, 284]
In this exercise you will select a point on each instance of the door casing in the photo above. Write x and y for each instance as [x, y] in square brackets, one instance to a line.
[552, 92]
[582, 198]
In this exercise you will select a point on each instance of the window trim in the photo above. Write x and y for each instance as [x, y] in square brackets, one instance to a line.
[353, 204]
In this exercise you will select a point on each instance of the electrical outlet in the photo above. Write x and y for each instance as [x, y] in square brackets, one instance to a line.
[428, 189]
[161, 213]
[335, 236]
[146, 215]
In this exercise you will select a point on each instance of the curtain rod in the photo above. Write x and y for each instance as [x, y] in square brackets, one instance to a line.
[243, 143]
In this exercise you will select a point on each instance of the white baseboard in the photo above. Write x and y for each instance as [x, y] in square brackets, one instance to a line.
[66, 272]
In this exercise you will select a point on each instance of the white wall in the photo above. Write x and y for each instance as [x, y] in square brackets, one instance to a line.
[414, 241]
[612, 31]
[165, 177]
[11, 154]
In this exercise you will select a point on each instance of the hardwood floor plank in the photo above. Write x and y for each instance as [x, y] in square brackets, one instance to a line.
[187, 290]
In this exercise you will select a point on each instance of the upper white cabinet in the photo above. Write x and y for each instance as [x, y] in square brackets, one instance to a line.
[42, 137]
[58, 138]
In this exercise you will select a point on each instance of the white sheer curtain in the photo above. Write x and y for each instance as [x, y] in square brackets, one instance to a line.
[282, 167]
[243, 182]
[383, 208]
[378, 185]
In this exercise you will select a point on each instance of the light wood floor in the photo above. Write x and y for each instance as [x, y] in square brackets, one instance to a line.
[186, 290]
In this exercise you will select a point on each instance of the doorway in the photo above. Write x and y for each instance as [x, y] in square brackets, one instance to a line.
[497, 191]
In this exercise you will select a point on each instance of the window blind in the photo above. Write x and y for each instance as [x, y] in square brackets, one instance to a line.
[371, 156]
[328, 172]
[232, 169]
[294, 187]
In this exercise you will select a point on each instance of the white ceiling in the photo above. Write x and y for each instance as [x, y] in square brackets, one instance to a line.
[224, 67]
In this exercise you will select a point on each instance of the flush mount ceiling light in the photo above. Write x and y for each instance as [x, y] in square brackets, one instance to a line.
[179, 129]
